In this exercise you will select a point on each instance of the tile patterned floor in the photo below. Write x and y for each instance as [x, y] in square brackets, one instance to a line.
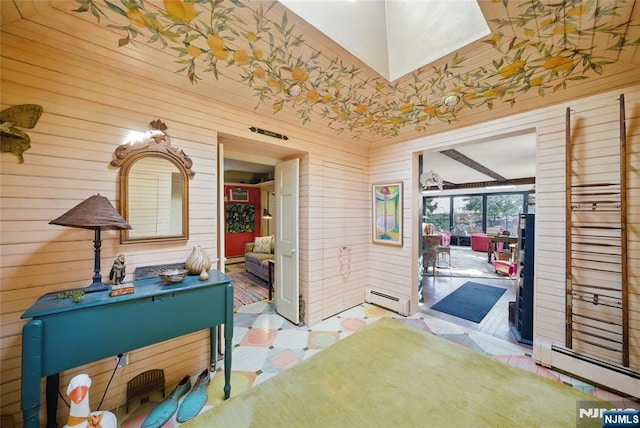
[266, 344]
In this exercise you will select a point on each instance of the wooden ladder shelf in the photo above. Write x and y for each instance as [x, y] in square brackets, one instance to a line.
[597, 321]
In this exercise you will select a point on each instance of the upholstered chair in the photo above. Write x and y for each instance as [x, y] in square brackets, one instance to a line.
[430, 245]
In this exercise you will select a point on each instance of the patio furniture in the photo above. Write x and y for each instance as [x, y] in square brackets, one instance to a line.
[506, 267]
[479, 242]
[444, 250]
[430, 245]
[493, 241]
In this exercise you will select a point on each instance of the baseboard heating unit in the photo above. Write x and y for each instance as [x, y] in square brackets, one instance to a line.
[600, 372]
[386, 300]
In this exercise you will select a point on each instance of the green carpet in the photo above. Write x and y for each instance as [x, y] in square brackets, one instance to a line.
[393, 375]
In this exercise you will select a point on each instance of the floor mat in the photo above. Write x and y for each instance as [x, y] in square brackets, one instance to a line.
[471, 301]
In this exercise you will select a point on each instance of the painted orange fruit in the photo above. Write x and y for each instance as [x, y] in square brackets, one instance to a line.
[136, 17]
[536, 81]
[180, 10]
[312, 95]
[220, 53]
[194, 51]
[299, 74]
[362, 108]
[564, 29]
[430, 110]
[558, 63]
[215, 42]
[259, 72]
[273, 82]
[511, 69]
[241, 57]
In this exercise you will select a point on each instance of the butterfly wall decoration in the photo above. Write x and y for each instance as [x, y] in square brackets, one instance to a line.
[12, 139]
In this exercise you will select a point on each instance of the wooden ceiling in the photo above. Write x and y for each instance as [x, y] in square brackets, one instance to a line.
[259, 56]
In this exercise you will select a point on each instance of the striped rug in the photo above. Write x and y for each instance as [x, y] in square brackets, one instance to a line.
[247, 288]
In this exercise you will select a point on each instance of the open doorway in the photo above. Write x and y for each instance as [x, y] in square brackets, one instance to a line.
[249, 212]
[257, 209]
[472, 198]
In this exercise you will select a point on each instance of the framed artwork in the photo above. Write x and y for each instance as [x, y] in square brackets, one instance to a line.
[239, 195]
[240, 218]
[387, 213]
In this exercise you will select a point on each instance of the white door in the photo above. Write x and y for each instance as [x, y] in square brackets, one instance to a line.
[286, 268]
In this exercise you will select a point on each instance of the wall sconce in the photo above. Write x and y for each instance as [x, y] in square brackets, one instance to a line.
[95, 213]
[266, 214]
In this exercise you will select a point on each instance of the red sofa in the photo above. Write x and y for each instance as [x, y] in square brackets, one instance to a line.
[479, 242]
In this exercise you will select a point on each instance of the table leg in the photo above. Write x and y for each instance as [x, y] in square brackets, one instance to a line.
[31, 373]
[227, 365]
[228, 336]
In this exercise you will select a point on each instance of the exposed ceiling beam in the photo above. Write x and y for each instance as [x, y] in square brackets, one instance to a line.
[513, 182]
[457, 156]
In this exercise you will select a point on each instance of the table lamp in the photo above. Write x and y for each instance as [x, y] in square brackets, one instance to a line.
[95, 213]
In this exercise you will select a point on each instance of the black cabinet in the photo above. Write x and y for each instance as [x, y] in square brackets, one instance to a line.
[523, 319]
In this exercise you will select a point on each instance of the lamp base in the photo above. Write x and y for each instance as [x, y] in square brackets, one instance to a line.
[96, 286]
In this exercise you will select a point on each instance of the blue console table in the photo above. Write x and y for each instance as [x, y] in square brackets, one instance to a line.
[62, 334]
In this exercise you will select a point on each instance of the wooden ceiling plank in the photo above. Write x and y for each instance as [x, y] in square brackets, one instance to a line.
[9, 12]
[514, 11]
[493, 12]
[463, 159]
[624, 11]
[585, 20]
[157, 62]
[100, 45]
[631, 54]
[15, 10]
[603, 42]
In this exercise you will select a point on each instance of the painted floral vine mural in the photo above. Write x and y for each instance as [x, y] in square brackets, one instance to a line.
[212, 37]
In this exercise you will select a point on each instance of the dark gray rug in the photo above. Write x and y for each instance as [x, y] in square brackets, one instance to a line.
[471, 301]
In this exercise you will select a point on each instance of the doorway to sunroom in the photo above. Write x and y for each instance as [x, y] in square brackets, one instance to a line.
[477, 195]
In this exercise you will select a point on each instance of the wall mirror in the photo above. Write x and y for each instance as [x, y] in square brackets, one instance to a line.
[154, 187]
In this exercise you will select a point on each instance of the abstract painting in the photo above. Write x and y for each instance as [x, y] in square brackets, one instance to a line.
[387, 213]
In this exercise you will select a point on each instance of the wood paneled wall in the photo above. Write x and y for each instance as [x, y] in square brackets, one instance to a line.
[345, 232]
[598, 117]
[90, 104]
[93, 94]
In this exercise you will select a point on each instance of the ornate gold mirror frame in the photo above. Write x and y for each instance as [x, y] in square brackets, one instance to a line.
[154, 187]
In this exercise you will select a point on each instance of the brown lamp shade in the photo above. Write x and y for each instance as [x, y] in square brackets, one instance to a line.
[95, 212]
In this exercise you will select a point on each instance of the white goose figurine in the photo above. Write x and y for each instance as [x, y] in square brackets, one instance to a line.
[80, 416]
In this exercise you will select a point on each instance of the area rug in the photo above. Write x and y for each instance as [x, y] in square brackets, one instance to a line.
[471, 301]
[390, 374]
[247, 288]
